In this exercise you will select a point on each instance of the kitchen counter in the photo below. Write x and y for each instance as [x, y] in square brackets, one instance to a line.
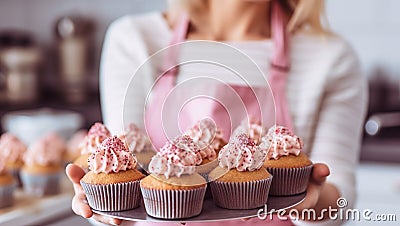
[28, 210]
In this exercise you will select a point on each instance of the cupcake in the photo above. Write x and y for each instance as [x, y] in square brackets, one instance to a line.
[138, 143]
[95, 136]
[174, 190]
[73, 150]
[240, 181]
[252, 128]
[112, 184]
[290, 167]
[210, 140]
[7, 185]
[42, 170]
[12, 149]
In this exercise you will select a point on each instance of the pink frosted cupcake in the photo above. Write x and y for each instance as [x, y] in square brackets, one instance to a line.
[73, 150]
[240, 181]
[12, 149]
[42, 170]
[112, 184]
[290, 167]
[210, 140]
[95, 136]
[252, 128]
[174, 190]
[138, 143]
[7, 185]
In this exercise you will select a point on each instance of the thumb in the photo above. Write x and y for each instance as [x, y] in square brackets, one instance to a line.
[74, 173]
[319, 173]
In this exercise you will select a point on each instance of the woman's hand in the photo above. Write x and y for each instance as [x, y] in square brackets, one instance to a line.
[320, 195]
[79, 203]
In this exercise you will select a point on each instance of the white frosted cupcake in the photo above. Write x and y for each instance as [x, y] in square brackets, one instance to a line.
[95, 136]
[290, 167]
[43, 166]
[252, 128]
[240, 181]
[112, 184]
[12, 149]
[174, 190]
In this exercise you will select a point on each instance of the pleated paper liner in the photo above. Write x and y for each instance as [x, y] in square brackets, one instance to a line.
[41, 184]
[6, 194]
[241, 195]
[173, 204]
[289, 181]
[113, 197]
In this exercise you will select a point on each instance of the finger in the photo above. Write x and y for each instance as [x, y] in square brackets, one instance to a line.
[80, 206]
[106, 220]
[74, 173]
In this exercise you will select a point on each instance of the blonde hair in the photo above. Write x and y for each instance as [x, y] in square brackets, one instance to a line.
[304, 14]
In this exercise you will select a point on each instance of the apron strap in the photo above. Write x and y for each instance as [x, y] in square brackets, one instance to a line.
[280, 65]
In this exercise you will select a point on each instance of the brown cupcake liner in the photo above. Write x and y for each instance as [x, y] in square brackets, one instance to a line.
[289, 181]
[113, 197]
[241, 195]
[40, 185]
[173, 204]
[6, 195]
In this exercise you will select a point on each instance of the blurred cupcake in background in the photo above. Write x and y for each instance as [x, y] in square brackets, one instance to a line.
[43, 166]
[73, 150]
[7, 185]
[240, 181]
[138, 143]
[95, 136]
[112, 184]
[290, 167]
[174, 190]
[12, 149]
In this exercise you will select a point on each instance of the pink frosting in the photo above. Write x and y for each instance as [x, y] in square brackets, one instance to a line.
[111, 156]
[241, 153]
[208, 136]
[96, 135]
[45, 151]
[134, 139]
[73, 144]
[252, 128]
[280, 141]
[11, 148]
[176, 158]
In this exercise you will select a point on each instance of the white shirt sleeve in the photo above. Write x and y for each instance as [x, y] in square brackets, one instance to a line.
[339, 126]
[123, 52]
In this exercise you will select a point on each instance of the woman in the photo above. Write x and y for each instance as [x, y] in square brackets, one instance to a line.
[325, 92]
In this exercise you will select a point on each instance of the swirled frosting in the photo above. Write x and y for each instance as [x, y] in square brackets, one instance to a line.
[45, 151]
[241, 153]
[111, 157]
[280, 141]
[73, 144]
[11, 148]
[135, 139]
[176, 158]
[95, 136]
[252, 128]
[207, 136]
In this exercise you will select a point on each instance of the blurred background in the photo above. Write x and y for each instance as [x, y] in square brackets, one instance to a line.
[49, 60]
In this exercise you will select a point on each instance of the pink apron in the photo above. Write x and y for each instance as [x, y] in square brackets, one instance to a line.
[251, 96]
